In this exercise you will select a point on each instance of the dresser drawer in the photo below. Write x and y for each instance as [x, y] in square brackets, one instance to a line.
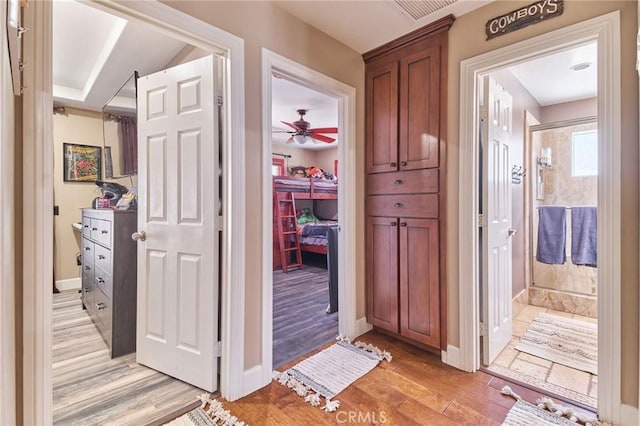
[88, 254]
[104, 282]
[102, 258]
[101, 231]
[86, 227]
[420, 205]
[103, 313]
[409, 182]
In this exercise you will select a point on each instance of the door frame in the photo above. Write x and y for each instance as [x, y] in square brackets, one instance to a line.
[348, 324]
[605, 30]
[37, 168]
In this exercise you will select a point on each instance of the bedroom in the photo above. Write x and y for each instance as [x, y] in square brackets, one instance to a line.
[305, 219]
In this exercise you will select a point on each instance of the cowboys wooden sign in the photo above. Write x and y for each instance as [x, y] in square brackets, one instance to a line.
[525, 16]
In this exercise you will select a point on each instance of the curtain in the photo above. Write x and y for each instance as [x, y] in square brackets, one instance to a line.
[128, 127]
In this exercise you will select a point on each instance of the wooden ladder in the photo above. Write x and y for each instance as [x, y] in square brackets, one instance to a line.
[287, 231]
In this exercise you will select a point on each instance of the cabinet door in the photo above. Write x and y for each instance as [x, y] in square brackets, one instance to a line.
[420, 109]
[382, 117]
[382, 272]
[419, 281]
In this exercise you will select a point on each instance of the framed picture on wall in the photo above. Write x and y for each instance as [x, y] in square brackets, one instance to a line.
[82, 163]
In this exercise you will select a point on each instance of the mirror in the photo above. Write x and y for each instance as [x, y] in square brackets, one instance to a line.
[120, 131]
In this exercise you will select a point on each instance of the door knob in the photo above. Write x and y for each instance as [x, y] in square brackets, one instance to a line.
[139, 236]
[512, 232]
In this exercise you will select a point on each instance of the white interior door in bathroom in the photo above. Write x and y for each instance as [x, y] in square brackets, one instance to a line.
[497, 232]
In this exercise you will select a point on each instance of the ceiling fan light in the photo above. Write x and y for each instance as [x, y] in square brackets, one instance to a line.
[300, 139]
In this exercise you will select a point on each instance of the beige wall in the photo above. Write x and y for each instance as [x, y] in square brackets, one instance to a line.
[467, 40]
[263, 25]
[569, 110]
[322, 158]
[81, 127]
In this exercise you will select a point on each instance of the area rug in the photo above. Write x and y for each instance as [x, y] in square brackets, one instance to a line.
[565, 341]
[330, 371]
[545, 413]
[210, 412]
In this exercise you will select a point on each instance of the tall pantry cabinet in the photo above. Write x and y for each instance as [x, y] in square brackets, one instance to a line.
[406, 89]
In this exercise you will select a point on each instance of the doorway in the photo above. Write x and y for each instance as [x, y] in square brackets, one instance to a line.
[599, 29]
[344, 97]
[37, 140]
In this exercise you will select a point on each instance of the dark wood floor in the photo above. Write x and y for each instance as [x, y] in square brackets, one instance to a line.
[416, 388]
[300, 321]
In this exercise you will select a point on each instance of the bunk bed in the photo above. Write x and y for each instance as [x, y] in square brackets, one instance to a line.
[312, 236]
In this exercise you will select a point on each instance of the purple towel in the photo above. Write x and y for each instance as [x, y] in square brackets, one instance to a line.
[552, 235]
[584, 236]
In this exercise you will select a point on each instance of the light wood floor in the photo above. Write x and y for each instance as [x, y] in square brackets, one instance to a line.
[300, 321]
[416, 388]
[89, 388]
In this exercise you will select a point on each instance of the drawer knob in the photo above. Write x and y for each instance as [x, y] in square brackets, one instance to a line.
[393, 164]
[104, 231]
[403, 223]
[87, 290]
[87, 248]
[87, 268]
[139, 236]
[393, 223]
[86, 226]
[403, 163]
[100, 280]
[100, 257]
[398, 205]
[398, 182]
[94, 229]
[100, 306]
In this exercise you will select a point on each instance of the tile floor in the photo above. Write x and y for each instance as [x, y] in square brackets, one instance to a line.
[576, 385]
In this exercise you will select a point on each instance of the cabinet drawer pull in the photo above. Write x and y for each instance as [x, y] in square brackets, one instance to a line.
[94, 229]
[403, 223]
[393, 223]
[87, 248]
[403, 163]
[87, 290]
[398, 181]
[398, 205]
[101, 257]
[86, 226]
[87, 268]
[393, 164]
[100, 306]
[104, 231]
[100, 280]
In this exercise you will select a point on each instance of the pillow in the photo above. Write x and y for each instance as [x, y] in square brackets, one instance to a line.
[306, 216]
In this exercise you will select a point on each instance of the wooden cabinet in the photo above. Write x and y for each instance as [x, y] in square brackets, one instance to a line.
[109, 276]
[405, 91]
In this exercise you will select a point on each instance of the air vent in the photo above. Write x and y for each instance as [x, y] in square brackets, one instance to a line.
[417, 9]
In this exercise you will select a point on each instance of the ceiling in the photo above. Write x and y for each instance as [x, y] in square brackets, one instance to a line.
[95, 53]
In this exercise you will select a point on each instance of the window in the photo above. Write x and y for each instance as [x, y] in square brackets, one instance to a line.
[277, 166]
[584, 153]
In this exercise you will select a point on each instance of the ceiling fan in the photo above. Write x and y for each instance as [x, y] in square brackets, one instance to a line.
[302, 133]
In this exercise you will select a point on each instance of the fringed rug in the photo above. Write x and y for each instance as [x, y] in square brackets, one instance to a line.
[545, 413]
[565, 341]
[330, 371]
[209, 413]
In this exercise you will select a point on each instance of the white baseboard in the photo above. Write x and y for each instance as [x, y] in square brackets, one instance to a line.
[629, 416]
[70, 284]
[252, 380]
[361, 327]
[451, 356]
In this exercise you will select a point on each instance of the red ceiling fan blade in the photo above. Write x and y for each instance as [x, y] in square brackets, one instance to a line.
[325, 130]
[290, 140]
[322, 138]
[293, 126]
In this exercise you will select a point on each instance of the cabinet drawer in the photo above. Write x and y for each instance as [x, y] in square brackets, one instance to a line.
[101, 231]
[414, 181]
[88, 253]
[420, 205]
[103, 310]
[104, 282]
[102, 258]
[86, 227]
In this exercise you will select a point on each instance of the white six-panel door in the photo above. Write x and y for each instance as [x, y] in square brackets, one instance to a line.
[177, 326]
[496, 207]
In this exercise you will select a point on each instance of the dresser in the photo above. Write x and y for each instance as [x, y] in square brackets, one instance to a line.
[405, 126]
[109, 276]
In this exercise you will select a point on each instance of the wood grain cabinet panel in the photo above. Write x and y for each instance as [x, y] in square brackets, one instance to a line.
[416, 205]
[410, 182]
[382, 118]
